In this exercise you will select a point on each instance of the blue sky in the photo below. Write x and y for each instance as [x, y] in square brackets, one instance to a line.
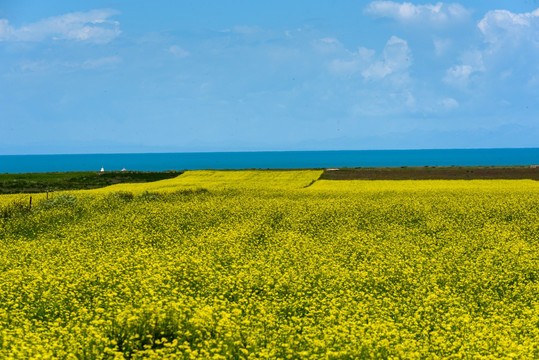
[174, 76]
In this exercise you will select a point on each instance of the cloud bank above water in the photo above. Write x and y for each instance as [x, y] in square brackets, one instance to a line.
[93, 26]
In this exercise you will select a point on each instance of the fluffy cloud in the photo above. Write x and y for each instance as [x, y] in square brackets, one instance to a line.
[459, 75]
[449, 103]
[502, 26]
[354, 62]
[511, 38]
[92, 26]
[396, 57]
[5, 30]
[438, 14]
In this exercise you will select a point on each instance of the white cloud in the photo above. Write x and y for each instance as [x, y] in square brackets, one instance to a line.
[5, 30]
[503, 25]
[459, 75]
[92, 26]
[178, 52]
[474, 58]
[244, 30]
[33, 66]
[327, 45]
[511, 38]
[101, 62]
[449, 103]
[396, 57]
[439, 14]
[355, 61]
[410, 100]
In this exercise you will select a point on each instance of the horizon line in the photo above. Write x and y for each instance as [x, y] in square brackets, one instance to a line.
[268, 151]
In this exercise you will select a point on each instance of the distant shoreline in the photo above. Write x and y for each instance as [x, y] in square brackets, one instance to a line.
[79, 180]
[270, 160]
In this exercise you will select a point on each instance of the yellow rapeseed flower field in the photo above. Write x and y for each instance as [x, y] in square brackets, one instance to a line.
[272, 265]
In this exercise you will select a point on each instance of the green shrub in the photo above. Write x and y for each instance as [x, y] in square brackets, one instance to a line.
[59, 200]
[123, 195]
[149, 195]
[14, 208]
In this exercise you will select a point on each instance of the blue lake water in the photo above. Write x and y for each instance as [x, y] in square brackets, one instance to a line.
[267, 160]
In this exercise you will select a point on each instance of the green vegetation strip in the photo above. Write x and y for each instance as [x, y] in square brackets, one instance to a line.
[57, 181]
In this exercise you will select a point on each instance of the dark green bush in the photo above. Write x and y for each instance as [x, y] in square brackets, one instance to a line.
[14, 208]
[59, 200]
[123, 195]
[149, 195]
